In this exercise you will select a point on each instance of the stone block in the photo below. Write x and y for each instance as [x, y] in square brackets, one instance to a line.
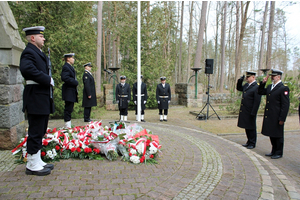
[10, 93]
[108, 86]
[10, 137]
[4, 74]
[11, 114]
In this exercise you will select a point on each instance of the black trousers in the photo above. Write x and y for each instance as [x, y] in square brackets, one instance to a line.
[68, 110]
[123, 111]
[251, 136]
[165, 111]
[87, 113]
[277, 145]
[142, 111]
[37, 128]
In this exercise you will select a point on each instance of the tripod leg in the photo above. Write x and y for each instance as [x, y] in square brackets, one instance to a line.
[215, 112]
[201, 110]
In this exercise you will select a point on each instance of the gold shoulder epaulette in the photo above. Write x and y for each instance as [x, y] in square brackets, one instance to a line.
[257, 83]
[85, 72]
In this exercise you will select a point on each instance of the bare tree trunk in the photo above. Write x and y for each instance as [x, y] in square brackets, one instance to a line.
[98, 58]
[190, 42]
[176, 60]
[262, 40]
[237, 38]
[240, 47]
[109, 37]
[197, 63]
[216, 46]
[223, 48]
[230, 45]
[180, 43]
[104, 53]
[114, 39]
[270, 35]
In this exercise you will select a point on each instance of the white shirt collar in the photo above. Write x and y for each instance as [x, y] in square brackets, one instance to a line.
[276, 83]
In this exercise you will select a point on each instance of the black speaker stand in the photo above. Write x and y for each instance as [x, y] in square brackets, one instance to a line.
[201, 115]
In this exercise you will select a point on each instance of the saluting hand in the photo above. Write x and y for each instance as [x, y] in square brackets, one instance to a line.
[265, 79]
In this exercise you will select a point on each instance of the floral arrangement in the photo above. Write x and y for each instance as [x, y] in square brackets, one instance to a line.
[93, 140]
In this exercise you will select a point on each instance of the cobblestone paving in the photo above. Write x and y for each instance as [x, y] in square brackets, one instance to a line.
[194, 165]
[7, 161]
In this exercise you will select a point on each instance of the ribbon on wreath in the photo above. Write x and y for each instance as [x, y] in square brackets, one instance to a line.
[14, 151]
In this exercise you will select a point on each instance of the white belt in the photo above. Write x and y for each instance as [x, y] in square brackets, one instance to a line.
[163, 97]
[30, 82]
[141, 95]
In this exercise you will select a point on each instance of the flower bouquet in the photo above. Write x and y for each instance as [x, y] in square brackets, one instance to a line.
[133, 142]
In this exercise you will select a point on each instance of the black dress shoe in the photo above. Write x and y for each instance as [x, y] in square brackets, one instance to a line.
[276, 156]
[87, 120]
[49, 166]
[165, 120]
[245, 145]
[250, 147]
[269, 154]
[42, 172]
[143, 120]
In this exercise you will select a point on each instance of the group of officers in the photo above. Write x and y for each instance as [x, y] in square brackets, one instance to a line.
[123, 96]
[275, 113]
[38, 102]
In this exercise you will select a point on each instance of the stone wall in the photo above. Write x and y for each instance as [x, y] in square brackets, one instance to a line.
[12, 121]
[217, 98]
[186, 94]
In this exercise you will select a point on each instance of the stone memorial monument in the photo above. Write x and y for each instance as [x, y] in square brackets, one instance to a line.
[12, 121]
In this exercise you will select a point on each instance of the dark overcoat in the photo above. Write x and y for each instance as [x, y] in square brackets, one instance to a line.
[88, 90]
[34, 66]
[249, 104]
[69, 88]
[144, 95]
[163, 95]
[123, 95]
[277, 107]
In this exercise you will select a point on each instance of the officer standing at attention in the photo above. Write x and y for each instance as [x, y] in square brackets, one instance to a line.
[123, 97]
[69, 88]
[276, 110]
[249, 107]
[37, 98]
[89, 92]
[163, 98]
[144, 98]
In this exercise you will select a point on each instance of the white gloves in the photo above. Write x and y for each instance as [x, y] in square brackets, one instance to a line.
[169, 101]
[158, 102]
[135, 102]
[145, 102]
[52, 82]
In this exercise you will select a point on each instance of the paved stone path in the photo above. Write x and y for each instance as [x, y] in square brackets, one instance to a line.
[194, 165]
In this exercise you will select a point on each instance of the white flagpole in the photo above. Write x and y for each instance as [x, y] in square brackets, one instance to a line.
[138, 78]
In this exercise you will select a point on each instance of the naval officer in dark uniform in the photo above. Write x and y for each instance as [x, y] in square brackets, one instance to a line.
[249, 107]
[89, 92]
[276, 110]
[123, 97]
[69, 88]
[163, 98]
[144, 97]
[37, 98]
